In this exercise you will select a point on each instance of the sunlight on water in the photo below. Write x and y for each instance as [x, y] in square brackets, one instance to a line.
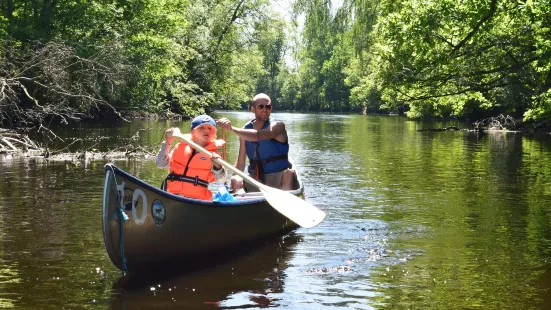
[414, 220]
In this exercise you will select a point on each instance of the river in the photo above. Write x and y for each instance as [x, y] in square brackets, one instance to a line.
[415, 220]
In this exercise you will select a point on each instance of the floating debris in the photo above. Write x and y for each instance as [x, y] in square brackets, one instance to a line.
[337, 269]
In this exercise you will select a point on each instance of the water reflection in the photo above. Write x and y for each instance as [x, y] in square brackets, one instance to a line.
[414, 220]
[248, 279]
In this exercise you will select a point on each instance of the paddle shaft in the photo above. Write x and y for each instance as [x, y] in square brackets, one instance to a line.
[224, 147]
[294, 208]
[240, 173]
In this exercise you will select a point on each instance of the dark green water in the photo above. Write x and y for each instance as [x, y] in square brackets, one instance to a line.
[415, 220]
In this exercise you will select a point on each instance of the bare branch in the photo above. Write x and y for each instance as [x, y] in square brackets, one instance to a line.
[59, 83]
[9, 144]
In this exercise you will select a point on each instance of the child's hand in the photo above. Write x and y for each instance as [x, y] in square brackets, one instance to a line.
[215, 164]
[169, 134]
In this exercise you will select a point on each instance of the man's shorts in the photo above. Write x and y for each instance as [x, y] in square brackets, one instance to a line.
[270, 179]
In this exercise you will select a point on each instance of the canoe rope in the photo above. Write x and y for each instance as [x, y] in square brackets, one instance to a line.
[122, 217]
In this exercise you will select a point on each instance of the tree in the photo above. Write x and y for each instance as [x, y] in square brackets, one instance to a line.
[271, 42]
[175, 55]
[445, 58]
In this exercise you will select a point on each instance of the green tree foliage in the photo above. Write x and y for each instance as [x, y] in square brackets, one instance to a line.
[433, 58]
[447, 59]
[271, 42]
[290, 89]
[430, 58]
[178, 55]
[325, 53]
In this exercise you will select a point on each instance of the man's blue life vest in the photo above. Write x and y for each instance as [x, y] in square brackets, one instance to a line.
[269, 155]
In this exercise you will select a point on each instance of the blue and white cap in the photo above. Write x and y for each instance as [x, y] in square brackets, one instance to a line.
[202, 119]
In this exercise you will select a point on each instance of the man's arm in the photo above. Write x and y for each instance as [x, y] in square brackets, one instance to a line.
[240, 162]
[275, 131]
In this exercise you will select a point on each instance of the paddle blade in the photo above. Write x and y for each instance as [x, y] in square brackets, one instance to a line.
[296, 209]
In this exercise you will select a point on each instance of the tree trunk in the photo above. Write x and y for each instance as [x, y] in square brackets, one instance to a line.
[547, 83]
[9, 11]
[35, 12]
[235, 16]
[46, 18]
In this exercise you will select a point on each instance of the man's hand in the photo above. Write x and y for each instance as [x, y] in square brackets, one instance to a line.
[224, 123]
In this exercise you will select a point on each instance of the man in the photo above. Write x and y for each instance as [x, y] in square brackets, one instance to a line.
[264, 141]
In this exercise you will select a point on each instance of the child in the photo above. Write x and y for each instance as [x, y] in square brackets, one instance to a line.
[191, 171]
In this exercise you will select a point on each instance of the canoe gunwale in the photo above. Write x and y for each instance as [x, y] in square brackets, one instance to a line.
[188, 200]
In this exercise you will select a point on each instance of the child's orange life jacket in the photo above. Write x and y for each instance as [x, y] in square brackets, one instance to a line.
[190, 171]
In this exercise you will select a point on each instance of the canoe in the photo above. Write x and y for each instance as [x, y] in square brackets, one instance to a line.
[145, 227]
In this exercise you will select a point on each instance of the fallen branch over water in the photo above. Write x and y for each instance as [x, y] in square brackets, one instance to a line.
[12, 142]
[449, 128]
[498, 123]
[135, 153]
[16, 144]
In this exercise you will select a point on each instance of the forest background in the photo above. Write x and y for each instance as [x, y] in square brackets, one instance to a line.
[469, 59]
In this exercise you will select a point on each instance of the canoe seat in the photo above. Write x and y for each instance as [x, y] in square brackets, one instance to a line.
[248, 196]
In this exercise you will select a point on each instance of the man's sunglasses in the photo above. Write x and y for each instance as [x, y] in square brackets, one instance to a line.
[261, 106]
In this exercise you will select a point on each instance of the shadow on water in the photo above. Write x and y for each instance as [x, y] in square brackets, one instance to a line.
[241, 279]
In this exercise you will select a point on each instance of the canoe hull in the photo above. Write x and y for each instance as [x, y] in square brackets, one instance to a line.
[162, 227]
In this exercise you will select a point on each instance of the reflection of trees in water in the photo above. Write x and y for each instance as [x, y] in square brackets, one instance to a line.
[257, 271]
[49, 233]
[34, 210]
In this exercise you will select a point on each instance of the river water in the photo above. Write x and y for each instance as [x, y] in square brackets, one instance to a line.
[415, 220]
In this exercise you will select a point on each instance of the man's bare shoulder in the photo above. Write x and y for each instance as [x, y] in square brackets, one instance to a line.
[277, 124]
[279, 132]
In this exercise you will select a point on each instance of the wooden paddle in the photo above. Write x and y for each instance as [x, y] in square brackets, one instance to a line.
[294, 208]
[224, 147]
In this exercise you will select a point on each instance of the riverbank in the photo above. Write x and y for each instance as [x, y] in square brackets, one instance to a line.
[14, 144]
[123, 152]
[500, 123]
[18, 143]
